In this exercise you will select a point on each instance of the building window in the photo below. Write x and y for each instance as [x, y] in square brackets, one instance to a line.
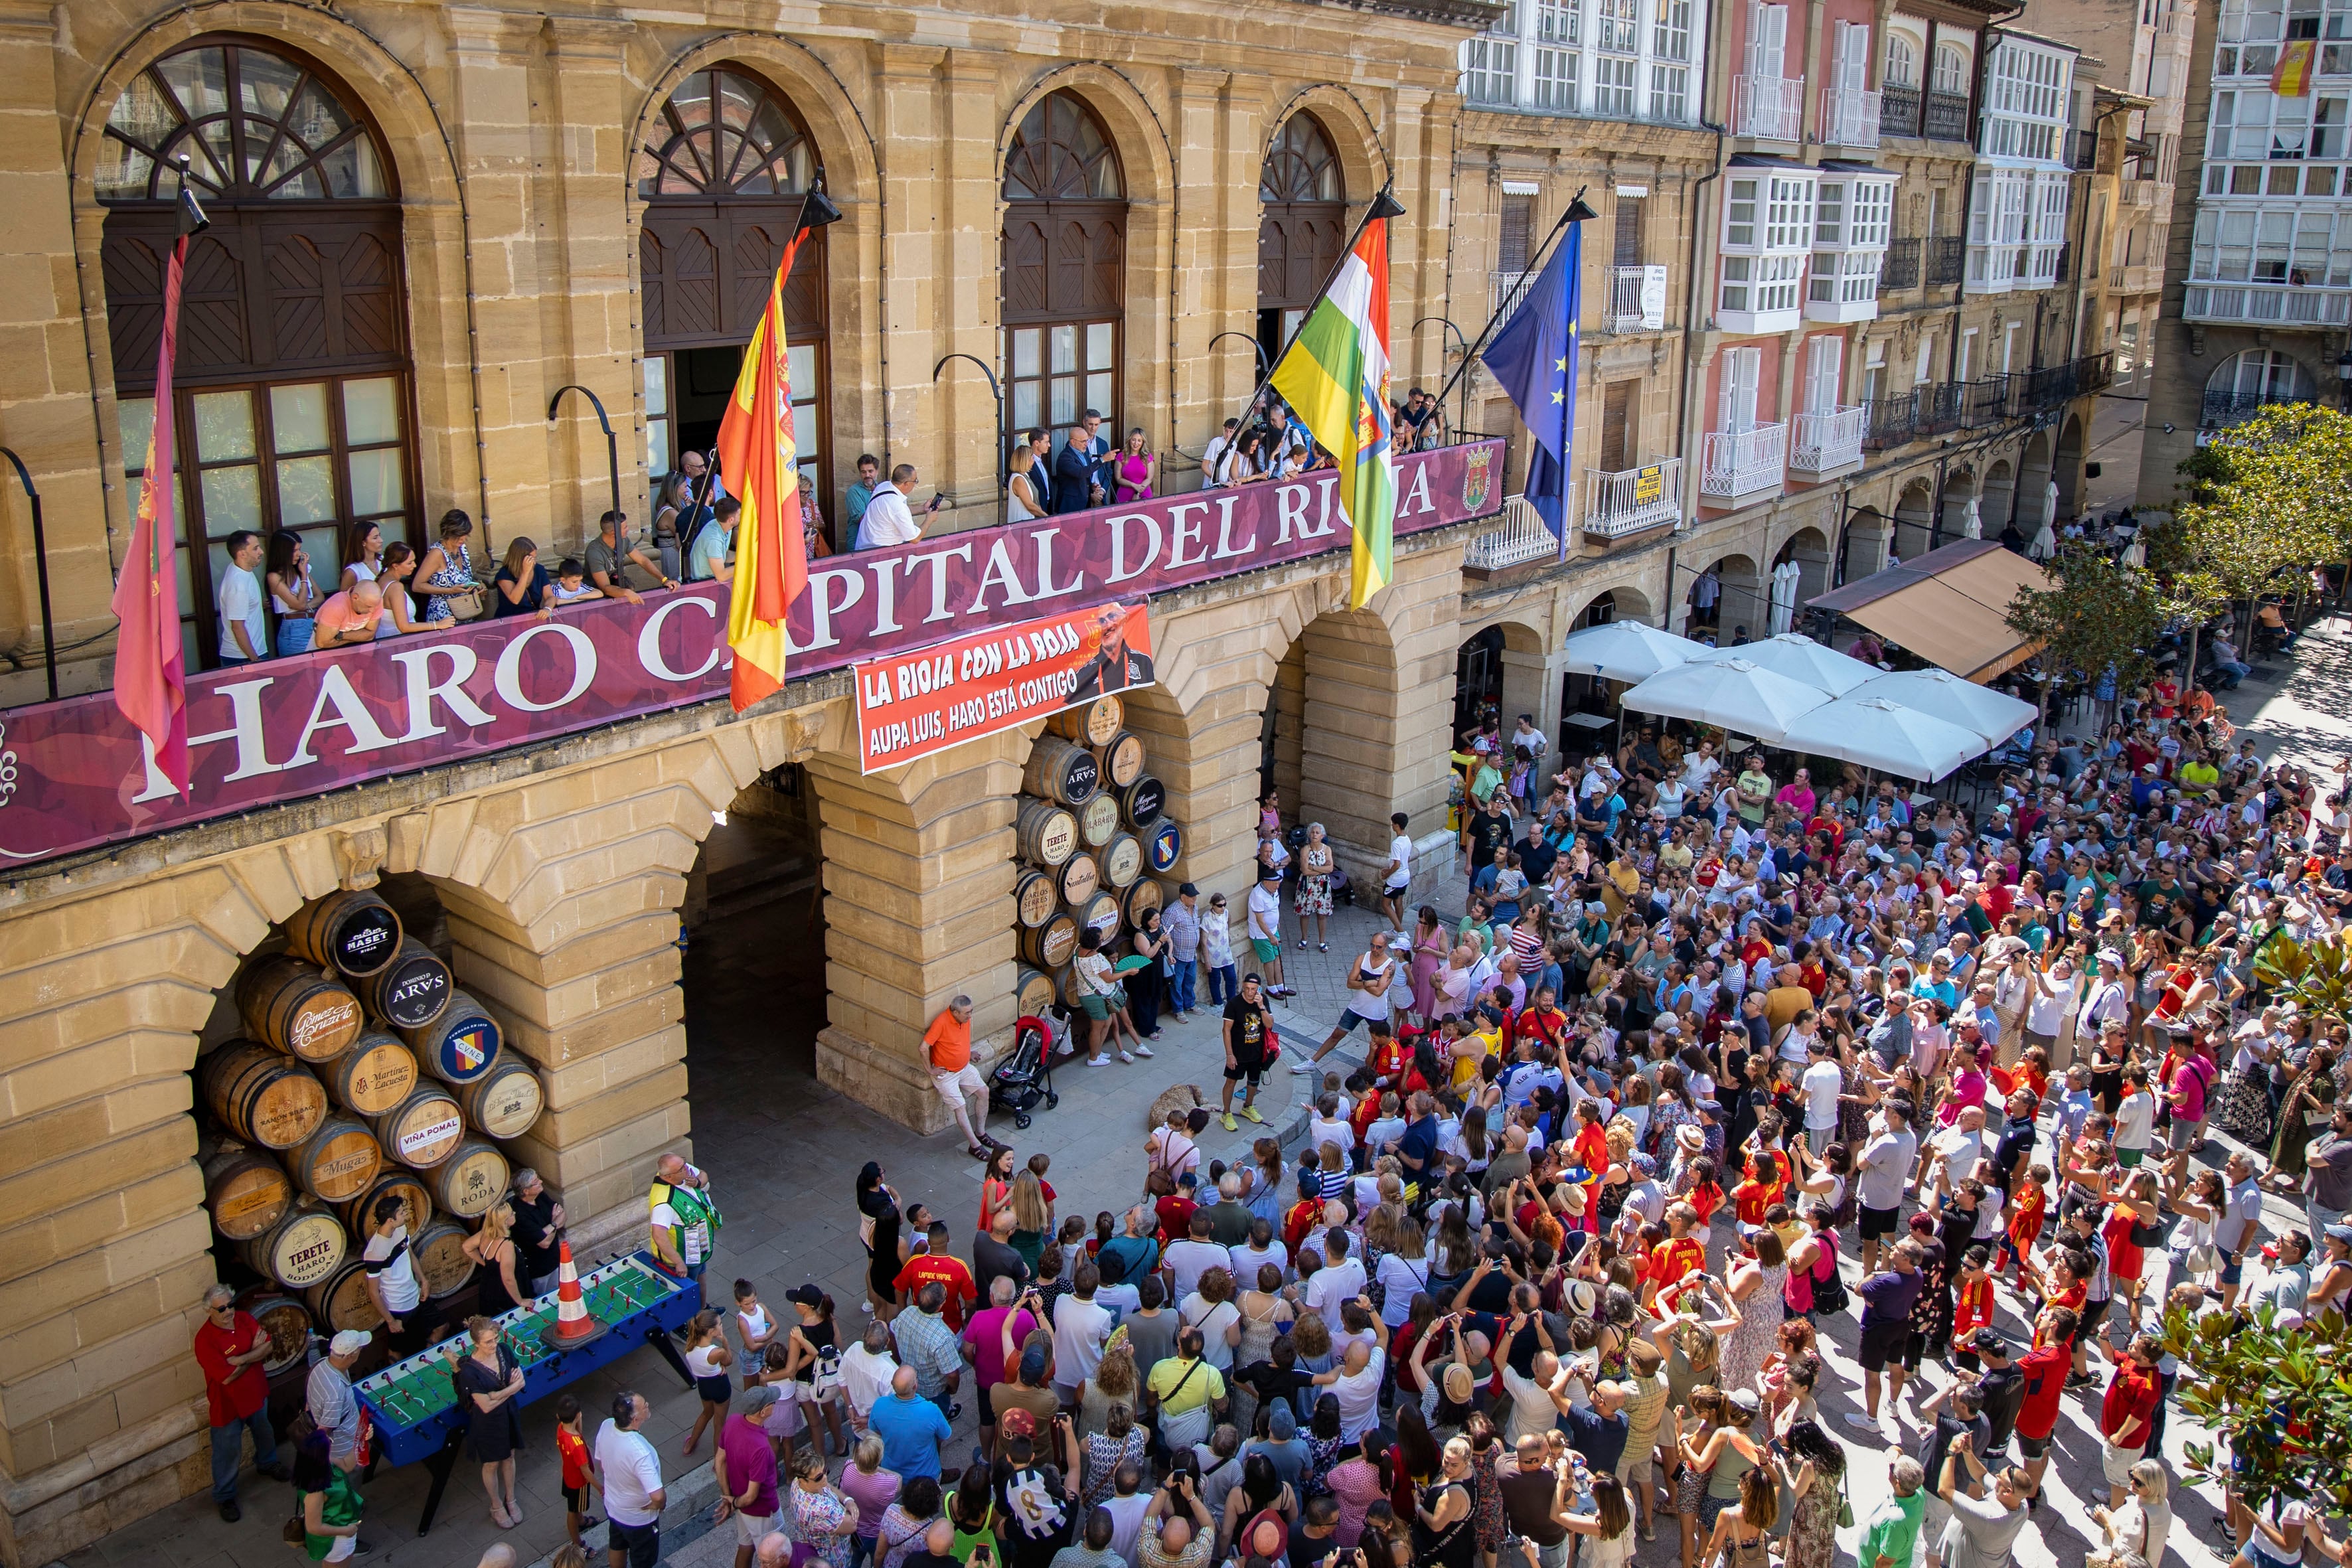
[1902, 61]
[1490, 66]
[1612, 86]
[1670, 36]
[1064, 266]
[1951, 68]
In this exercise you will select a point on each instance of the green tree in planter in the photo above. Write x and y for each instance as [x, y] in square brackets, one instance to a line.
[2096, 617]
[2278, 1400]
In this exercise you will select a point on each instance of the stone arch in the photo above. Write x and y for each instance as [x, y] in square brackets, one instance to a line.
[1960, 488]
[2000, 496]
[1740, 598]
[1808, 549]
[2068, 468]
[1355, 136]
[1915, 518]
[1623, 602]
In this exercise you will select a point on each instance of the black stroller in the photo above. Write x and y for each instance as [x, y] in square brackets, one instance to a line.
[1024, 1076]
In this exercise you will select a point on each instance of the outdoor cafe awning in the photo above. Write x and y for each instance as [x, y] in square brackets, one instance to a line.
[1950, 607]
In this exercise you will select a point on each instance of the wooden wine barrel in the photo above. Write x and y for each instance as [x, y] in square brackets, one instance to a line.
[1092, 724]
[441, 1261]
[1066, 981]
[1163, 846]
[1142, 802]
[376, 1073]
[341, 1302]
[302, 1248]
[1080, 877]
[1045, 833]
[1034, 895]
[245, 1192]
[1100, 913]
[337, 1162]
[1059, 770]
[1098, 820]
[1051, 945]
[1122, 759]
[412, 990]
[460, 1046]
[1033, 992]
[359, 1214]
[472, 1181]
[422, 1131]
[300, 1007]
[1122, 860]
[356, 933]
[262, 1094]
[1142, 898]
[286, 1321]
[504, 1101]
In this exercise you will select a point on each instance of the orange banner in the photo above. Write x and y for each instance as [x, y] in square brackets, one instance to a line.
[924, 703]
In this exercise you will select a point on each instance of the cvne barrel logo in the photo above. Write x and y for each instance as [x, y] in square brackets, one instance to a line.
[467, 1050]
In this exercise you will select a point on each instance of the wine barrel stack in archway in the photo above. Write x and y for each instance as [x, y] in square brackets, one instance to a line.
[363, 1072]
[1091, 835]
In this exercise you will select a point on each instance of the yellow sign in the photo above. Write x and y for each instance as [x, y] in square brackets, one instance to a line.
[1649, 484]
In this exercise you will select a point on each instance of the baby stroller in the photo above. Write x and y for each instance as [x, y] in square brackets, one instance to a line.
[1025, 1075]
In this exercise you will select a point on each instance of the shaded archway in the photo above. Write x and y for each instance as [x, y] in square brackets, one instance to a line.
[1591, 694]
[1727, 598]
[1064, 266]
[1960, 488]
[1808, 550]
[2069, 473]
[1914, 520]
[2000, 493]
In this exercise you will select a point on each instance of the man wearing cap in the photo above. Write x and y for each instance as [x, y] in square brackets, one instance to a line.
[334, 1408]
[745, 1470]
[1265, 929]
[1182, 923]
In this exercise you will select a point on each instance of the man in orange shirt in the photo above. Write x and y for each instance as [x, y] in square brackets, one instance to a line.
[949, 1041]
[1680, 1254]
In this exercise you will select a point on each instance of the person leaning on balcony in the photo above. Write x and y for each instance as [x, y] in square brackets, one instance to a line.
[706, 558]
[1021, 501]
[1078, 467]
[1242, 463]
[887, 520]
[445, 578]
[244, 638]
[1218, 445]
[292, 593]
[609, 561]
[521, 583]
[398, 569]
[349, 617]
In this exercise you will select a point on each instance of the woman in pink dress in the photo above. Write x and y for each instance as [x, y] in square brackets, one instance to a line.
[1430, 948]
[1134, 468]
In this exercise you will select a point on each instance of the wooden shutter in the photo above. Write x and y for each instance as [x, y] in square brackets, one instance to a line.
[1823, 357]
[1740, 370]
[1768, 40]
[1618, 411]
[1519, 221]
[1629, 230]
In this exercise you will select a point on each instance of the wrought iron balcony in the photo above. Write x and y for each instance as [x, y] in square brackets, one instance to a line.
[1634, 501]
[1933, 408]
[1948, 117]
[1948, 260]
[1629, 309]
[2223, 409]
[1741, 463]
[1901, 267]
[1520, 536]
[1898, 111]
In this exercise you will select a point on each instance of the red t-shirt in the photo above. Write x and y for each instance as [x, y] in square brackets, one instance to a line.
[573, 1449]
[232, 1394]
[1675, 1256]
[2130, 1397]
[1971, 1308]
[2045, 1370]
[1175, 1214]
[952, 1276]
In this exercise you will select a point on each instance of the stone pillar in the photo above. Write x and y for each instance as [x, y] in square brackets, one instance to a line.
[907, 111]
[968, 243]
[1868, 542]
[1531, 685]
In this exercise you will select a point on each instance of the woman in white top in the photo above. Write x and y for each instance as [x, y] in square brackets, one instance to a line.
[1021, 501]
[1669, 796]
[1241, 463]
[1402, 1270]
[364, 558]
[2144, 1521]
[1210, 1308]
[399, 610]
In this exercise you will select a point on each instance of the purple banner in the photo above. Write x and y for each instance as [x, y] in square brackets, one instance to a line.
[75, 774]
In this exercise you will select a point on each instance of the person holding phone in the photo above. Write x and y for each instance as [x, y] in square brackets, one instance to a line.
[887, 520]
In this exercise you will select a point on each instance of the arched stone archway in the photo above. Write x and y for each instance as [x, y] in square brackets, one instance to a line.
[2000, 496]
[2069, 470]
[1726, 597]
[1808, 550]
[1915, 519]
[1960, 488]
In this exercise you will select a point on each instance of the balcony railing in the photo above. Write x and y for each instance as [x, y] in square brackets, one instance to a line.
[1634, 500]
[1901, 267]
[1637, 299]
[1507, 287]
[2223, 409]
[1948, 260]
[1737, 463]
[1769, 108]
[1828, 439]
[2290, 306]
[1521, 537]
[1898, 111]
[2139, 277]
[1933, 408]
[1849, 117]
[1948, 117]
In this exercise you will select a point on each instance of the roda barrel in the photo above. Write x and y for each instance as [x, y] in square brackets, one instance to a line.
[504, 1101]
[1033, 993]
[472, 1181]
[376, 1073]
[1141, 898]
[1098, 820]
[286, 1321]
[300, 1007]
[245, 1192]
[1122, 860]
[441, 1261]
[461, 1044]
[1122, 759]
[300, 1249]
[359, 1214]
[1142, 802]
[262, 1094]
[1091, 725]
[354, 932]
[1045, 833]
[341, 1302]
[1061, 771]
[422, 1130]
[1080, 877]
[412, 990]
[1163, 846]
[1033, 898]
[1052, 944]
[337, 1162]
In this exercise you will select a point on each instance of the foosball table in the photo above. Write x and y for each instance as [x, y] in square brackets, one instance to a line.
[412, 1405]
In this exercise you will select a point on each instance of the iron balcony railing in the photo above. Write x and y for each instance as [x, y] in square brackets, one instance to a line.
[1898, 111]
[1828, 439]
[1933, 408]
[1948, 117]
[1901, 267]
[1948, 260]
[1520, 536]
[1505, 288]
[1634, 500]
[2223, 409]
[1769, 108]
[1743, 462]
[1626, 313]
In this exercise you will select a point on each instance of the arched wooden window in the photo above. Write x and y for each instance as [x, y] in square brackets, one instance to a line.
[722, 170]
[292, 384]
[1302, 225]
[1064, 266]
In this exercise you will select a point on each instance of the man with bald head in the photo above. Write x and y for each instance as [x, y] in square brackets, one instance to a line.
[351, 617]
[911, 1428]
[1356, 1379]
[1177, 1529]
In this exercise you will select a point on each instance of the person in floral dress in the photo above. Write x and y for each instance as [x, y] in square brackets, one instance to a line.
[1814, 1470]
[823, 1519]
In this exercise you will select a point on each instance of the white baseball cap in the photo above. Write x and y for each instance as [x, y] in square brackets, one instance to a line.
[349, 1342]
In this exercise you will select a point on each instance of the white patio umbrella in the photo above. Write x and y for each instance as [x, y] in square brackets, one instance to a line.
[1732, 693]
[1885, 736]
[1803, 660]
[1940, 694]
[1627, 651]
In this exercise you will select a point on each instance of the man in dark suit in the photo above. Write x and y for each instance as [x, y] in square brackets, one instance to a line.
[1040, 469]
[1078, 467]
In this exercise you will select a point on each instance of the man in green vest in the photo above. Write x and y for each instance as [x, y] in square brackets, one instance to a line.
[685, 1220]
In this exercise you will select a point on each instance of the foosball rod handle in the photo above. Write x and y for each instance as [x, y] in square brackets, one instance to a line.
[658, 1337]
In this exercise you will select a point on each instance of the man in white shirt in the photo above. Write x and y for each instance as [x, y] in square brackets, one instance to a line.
[628, 1472]
[1819, 1087]
[1190, 1257]
[1880, 1175]
[1355, 1382]
[1265, 931]
[867, 1369]
[1080, 1327]
[1398, 879]
[1218, 445]
[389, 1271]
[244, 638]
[1262, 1247]
[1338, 1282]
[1951, 1155]
[887, 520]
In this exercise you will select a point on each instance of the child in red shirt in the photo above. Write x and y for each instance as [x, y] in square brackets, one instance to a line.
[1972, 1301]
[2025, 1214]
[578, 1480]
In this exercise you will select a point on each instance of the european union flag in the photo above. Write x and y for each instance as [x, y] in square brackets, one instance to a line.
[1534, 358]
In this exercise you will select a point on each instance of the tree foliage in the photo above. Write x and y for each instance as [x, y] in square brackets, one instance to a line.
[2279, 1400]
[2096, 617]
[2261, 502]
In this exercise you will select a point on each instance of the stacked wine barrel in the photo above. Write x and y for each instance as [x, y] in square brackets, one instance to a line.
[1090, 834]
[364, 1072]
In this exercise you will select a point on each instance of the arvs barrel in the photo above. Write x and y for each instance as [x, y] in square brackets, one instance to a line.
[1122, 859]
[298, 1007]
[422, 1130]
[1080, 879]
[1098, 820]
[341, 1302]
[441, 1261]
[1089, 724]
[354, 932]
[471, 1182]
[412, 990]
[337, 1162]
[359, 1214]
[1059, 770]
[1045, 833]
[376, 1073]
[461, 1044]
[245, 1192]
[262, 1094]
[1033, 898]
[1033, 992]
[1142, 802]
[1122, 759]
[1051, 945]
[504, 1101]
[300, 1249]
[1163, 846]
[286, 1321]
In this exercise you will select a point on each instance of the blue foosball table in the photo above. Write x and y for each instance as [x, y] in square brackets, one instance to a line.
[412, 1404]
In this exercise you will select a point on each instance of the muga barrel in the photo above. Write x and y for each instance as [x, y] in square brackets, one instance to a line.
[1122, 859]
[341, 1302]
[504, 1101]
[376, 1073]
[441, 1261]
[1033, 992]
[1060, 770]
[1122, 759]
[1142, 802]
[359, 1214]
[1141, 898]
[472, 1181]
[298, 1007]
[286, 1321]
[1091, 724]
[245, 1192]
[1045, 833]
[461, 1044]
[409, 992]
[1034, 895]
[356, 933]
[262, 1094]
[1098, 820]
[1052, 944]
[337, 1162]
[422, 1130]
[1080, 877]
[1163, 846]
[1100, 913]
[302, 1248]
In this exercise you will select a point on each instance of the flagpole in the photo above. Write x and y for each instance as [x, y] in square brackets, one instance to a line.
[1384, 206]
[1576, 213]
[817, 210]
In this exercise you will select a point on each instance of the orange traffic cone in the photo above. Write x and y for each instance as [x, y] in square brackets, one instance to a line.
[573, 1324]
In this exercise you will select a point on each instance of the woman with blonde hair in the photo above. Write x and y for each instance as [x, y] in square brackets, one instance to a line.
[1030, 1218]
[492, 1248]
[1113, 1382]
[490, 1379]
[2144, 1521]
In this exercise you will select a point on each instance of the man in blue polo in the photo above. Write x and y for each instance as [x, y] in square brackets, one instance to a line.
[911, 1428]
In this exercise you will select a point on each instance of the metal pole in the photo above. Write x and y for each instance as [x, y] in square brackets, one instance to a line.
[1002, 435]
[1576, 212]
[1463, 418]
[1384, 206]
[611, 442]
[1257, 349]
[40, 571]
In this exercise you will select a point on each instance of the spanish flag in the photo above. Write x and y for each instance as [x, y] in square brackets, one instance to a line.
[2291, 78]
[758, 461]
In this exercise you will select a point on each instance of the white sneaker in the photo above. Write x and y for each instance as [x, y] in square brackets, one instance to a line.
[1143, 1050]
[1303, 1067]
[1097, 1061]
[1857, 1419]
[1126, 1057]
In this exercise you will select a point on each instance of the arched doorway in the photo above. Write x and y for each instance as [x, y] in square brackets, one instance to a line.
[722, 170]
[1915, 521]
[1808, 550]
[2000, 489]
[1064, 266]
[1478, 680]
[1960, 490]
[1591, 694]
[1727, 598]
[1302, 225]
[291, 392]
[2069, 473]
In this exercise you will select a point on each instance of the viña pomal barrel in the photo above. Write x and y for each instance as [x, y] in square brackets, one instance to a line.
[412, 990]
[422, 1130]
[356, 932]
[298, 1007]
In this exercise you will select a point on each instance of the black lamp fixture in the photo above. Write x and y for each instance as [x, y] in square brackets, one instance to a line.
[817, 208]
[1385, 204]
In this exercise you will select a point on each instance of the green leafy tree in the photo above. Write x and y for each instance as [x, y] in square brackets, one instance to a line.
[2277, 1400]
[2096, 617]
[2260, 503]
